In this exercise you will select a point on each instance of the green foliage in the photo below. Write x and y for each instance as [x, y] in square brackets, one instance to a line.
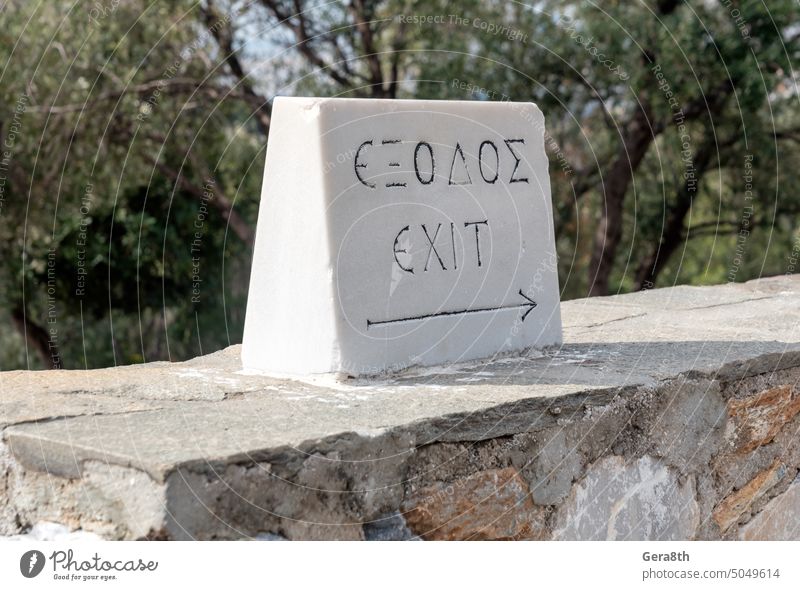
[89, 193]
[123, 115]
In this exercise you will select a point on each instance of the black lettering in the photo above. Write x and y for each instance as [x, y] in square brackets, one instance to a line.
[453, 241]
[393, 164]
[357, 165]
[432, 247]
[420, 145]
[401, 251]
[477, 225]
[459, 152]
[508, 143]
[496, 162]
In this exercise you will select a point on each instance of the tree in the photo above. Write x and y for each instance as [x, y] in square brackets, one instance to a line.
[131, 123]
[132, 141]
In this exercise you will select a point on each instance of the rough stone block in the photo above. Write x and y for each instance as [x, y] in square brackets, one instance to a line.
[390, 528]
[553, 468]
[688, 425]
[643, 500]
[490, 505]
[779, 520]
[733, 507]
[756, 419]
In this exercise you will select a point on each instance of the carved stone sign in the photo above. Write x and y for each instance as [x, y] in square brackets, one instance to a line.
[395, 233]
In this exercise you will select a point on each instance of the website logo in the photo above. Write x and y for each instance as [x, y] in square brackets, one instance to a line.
[31, 563]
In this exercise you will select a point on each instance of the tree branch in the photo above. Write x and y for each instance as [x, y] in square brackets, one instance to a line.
[636, 141]
[175, 85]
[674, 234]
[219, 201]
[222, 31]
[36, 337]
[362, 16]
[297, 24]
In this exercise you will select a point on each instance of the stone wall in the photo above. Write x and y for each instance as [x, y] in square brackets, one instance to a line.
[673, 414]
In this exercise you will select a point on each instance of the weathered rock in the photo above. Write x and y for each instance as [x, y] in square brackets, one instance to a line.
[736, 505]
[53, 531]
[390, 528]
[689, 426]
[491, 505]
[251, 499]
[642, 500]
[758, 418]
[109, 500]
[553, 468]
[743, 457]
[623, 432]
[269, 537]
[136, 386]
[779, 520]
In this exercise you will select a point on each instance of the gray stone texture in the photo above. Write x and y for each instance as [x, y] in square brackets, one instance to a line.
[668, 414]
[621, 500]
[779, 520]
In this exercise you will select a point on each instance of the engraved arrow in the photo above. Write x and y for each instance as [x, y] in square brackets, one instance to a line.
[528, 304]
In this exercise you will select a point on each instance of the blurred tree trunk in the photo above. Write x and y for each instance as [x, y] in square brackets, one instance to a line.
[36, 337]
[673, 233]
[638, 137]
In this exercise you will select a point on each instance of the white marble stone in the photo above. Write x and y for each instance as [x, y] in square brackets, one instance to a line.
[395, 233]
[643, 500]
